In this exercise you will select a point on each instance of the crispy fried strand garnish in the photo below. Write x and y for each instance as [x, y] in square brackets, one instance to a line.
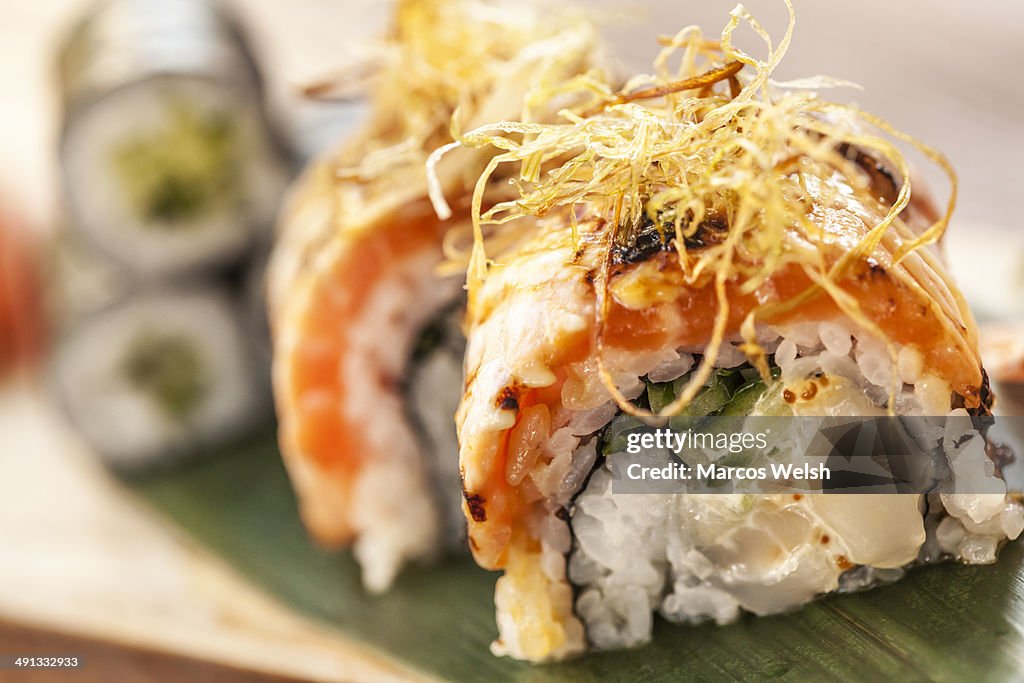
[448, 63]
[715, 136]
[703, 81]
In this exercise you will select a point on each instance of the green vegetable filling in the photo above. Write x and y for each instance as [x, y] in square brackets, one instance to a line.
[728, 392]
[168, 369]
[179, 173]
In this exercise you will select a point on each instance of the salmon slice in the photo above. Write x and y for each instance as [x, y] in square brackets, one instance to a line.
[344, 325]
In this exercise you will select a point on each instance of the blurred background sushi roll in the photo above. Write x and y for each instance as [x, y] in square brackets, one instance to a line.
[172, 169]
[159, 375]
[169, 164]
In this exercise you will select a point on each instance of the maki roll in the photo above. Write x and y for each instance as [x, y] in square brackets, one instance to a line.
[704, 242]
[367, 346]
[172, 175]
[158, 376]
[168, 164]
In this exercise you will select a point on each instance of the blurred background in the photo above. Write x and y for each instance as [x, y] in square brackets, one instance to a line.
[176, 282]
[940, 70]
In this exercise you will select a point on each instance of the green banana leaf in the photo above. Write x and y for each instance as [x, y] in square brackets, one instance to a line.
[947, 623]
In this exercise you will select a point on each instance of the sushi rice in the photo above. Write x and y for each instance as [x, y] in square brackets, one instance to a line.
[698, 557]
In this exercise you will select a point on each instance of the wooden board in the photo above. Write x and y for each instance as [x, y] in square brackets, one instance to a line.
[82, 556]
[947, 623]
[104, 661]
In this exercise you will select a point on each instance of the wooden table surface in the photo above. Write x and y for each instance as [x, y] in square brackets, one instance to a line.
[79, 556]
[108, 661]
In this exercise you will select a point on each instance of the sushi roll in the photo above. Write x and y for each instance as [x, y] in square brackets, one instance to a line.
[368, 350]
[168, 163]
[704, 242]
[159, 376]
